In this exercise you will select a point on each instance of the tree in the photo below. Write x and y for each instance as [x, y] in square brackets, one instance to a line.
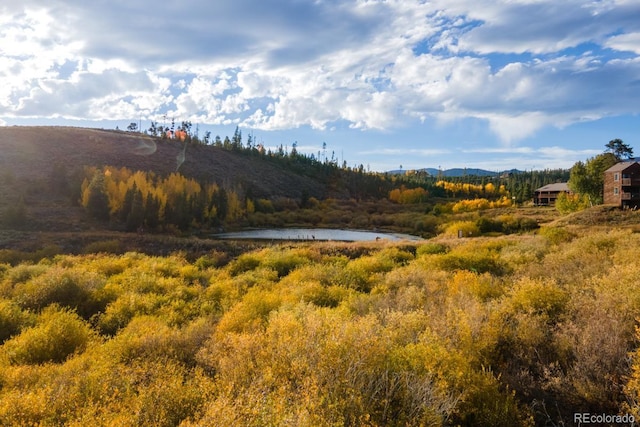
[587, 179]
[95, 198]
[567, 203]
[135, 217]
[154, 130]
[133, 127]
[619, 149]
[236, 141]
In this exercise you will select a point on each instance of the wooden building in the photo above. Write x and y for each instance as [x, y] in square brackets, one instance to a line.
[548, 194]
[622, 185]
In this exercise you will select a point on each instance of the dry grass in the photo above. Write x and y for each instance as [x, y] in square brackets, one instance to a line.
[600, 216]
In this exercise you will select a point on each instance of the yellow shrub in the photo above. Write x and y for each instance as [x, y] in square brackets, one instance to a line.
[468, 229]
[57, 335]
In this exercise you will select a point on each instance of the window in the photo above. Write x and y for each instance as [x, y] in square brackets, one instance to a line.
[616, 177]
[615, 191]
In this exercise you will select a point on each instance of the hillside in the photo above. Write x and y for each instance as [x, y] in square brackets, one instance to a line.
[33, 160]
[42, 170]
[29, 153]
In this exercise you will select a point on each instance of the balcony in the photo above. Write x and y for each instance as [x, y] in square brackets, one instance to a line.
[629, 196]
[630, 182]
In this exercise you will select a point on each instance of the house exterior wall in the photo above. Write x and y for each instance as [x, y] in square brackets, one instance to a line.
[610, 196]
[622, 186]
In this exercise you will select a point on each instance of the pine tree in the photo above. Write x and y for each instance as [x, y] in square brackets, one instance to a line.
[135, 218]
[95, 199]
[152, 212]
[619, 149]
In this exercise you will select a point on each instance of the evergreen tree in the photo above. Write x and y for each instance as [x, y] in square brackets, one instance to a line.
[152, 212]
[619, 149]
[96, 200]
[220, 202]
[236, 141]
[135, 218]
[125, 210]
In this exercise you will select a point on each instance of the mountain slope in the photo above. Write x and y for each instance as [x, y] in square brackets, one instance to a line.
[29, 153]
[31, 159]
[455, 172]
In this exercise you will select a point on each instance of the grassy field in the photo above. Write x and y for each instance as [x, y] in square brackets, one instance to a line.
[521, 329]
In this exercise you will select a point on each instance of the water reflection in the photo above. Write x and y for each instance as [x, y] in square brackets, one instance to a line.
[314, 234]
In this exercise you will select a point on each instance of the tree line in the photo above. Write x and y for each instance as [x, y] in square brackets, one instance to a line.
[142, 199]
[358, 180]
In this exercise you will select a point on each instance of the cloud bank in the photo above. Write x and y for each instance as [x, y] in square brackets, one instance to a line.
[517, 65]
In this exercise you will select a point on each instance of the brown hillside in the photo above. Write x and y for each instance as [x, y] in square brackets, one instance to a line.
[30, 153]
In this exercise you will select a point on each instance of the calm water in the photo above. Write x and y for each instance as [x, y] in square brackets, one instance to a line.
[313, 234]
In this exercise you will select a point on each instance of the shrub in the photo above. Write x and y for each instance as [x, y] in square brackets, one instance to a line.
[151, 338]
[58, 334]
[244, 262]
[264, 205]
[487, 405]
[20, 274]
[283, 262]
[542, 298]
[557, 235]
[468, 229]
[172, 396]
[120, 312]
[479, 258]
[213, 259]
[487, 225]
[431, 249]
[75, 289]
[516, 224]
[478, 263]
[12, 319]
[428, 224]
[251, 313]
[481, 286]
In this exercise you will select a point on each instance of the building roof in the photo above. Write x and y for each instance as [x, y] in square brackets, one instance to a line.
[619, 167]
[558, 186]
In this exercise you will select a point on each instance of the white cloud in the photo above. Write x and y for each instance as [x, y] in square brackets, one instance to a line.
[287, 64]
[625, 42]
[510, 128]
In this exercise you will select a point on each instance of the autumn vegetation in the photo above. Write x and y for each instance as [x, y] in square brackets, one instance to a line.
[513, 330]
[507, 315]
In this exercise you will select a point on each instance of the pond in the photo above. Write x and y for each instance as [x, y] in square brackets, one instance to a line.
[314, 234]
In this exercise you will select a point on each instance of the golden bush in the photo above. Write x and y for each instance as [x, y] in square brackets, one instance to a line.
[57, 334]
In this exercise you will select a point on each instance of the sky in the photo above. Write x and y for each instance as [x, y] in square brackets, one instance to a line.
[493, 84]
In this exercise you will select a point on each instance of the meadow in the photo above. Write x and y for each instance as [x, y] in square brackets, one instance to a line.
[508, 330]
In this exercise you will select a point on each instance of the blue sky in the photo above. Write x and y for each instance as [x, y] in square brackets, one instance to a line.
[495, 84]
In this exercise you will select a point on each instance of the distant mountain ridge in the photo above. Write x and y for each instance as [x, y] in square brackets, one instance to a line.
[457, 172]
